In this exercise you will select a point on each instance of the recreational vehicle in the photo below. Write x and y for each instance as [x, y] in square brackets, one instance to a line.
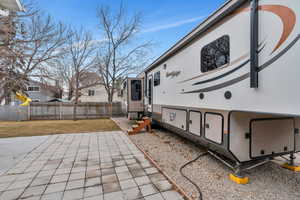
[231, 83]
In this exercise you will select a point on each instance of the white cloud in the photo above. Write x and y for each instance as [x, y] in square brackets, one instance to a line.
[172, 25]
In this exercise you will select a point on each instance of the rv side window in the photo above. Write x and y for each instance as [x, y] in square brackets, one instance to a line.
[156, 78]
[215, 54]
[150, 91]
[136, 90]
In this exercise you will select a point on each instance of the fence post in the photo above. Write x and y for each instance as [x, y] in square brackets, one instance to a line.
[87, 112]
[60, 114]
[29, 112]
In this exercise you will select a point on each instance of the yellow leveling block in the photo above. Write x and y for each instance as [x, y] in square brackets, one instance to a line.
[238, 180]
[291, 167]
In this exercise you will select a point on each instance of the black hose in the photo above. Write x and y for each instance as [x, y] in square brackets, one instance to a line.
[186, 164]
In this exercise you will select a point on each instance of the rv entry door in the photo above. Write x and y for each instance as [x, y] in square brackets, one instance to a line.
[135, 95]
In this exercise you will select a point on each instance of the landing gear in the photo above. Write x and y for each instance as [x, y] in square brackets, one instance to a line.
[237, 176]
[238, 168]
[291, 164]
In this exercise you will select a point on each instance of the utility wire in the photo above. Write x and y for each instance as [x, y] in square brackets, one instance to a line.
[186, 164]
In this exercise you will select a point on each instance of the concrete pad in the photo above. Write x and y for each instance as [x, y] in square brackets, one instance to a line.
[13, 150]
[82, 166]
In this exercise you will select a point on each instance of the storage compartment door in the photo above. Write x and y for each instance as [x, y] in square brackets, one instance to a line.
[297, 134]
[174, 117]
[195, 123]
[271, 136]
[214, 127]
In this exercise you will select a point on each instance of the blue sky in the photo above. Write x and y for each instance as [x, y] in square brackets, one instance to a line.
[164, 21]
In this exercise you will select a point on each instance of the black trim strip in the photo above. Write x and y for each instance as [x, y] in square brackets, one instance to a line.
[223, 75]
[272, 60]
[222, 85]
[254, 45]
[247, 75]
[229, 72]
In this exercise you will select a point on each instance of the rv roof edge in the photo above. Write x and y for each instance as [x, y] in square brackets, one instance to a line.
[224, 10]
[12, 5]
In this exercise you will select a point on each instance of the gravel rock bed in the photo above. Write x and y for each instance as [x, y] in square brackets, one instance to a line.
[170, 151]
[267, 182]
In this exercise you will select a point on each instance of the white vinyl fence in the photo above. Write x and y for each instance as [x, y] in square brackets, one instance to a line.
[13, 113]
[60, 111]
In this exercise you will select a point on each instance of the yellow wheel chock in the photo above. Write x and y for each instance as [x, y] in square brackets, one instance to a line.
[291, 167]
[238, 180]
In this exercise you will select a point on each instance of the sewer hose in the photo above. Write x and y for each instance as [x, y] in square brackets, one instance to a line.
[182, 174]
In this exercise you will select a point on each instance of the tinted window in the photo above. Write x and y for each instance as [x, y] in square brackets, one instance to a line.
[215, 54]
[91, 92]
[150, 91]
[136, 90]
[156, 78]
[33, 88]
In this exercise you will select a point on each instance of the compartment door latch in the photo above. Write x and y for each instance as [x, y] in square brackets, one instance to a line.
[247, 135]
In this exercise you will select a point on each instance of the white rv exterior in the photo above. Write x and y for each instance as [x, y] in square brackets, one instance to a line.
[232, 83]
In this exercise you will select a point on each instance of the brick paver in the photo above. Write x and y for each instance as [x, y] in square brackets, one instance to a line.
[105, 166]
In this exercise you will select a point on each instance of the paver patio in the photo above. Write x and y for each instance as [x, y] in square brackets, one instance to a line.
[105, 166]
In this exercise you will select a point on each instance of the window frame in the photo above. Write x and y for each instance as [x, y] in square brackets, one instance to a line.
[91, 93]
[33, 87]
[140, 92]
[210, 44]
[156, 79]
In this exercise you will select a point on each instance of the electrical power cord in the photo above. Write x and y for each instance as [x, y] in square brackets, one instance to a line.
[186, 164]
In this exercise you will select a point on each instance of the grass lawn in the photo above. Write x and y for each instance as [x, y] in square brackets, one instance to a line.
[49, 127]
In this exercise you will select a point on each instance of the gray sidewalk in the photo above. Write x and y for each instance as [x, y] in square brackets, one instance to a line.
[86, 166]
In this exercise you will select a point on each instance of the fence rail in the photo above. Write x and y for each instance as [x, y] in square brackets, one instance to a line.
[61, 111]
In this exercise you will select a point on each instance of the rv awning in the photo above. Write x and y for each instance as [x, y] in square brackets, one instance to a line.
[11, 5]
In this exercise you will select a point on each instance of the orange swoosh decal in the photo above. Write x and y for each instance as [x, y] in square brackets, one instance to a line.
[288, 18]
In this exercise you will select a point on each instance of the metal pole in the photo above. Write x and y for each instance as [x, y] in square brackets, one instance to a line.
[292, 157]
[254, 62]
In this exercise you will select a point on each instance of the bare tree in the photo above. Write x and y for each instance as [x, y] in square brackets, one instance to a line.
[119, 52]
[76, 67]
[33, 44]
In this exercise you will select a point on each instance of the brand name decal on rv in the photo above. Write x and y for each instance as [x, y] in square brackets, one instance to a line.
[172, 74]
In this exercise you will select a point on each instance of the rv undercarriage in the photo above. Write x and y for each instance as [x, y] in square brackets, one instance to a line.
[249, 139]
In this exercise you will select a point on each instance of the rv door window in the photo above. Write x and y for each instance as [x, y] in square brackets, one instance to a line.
[215, 54]
[136, 90]
[156, 78]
